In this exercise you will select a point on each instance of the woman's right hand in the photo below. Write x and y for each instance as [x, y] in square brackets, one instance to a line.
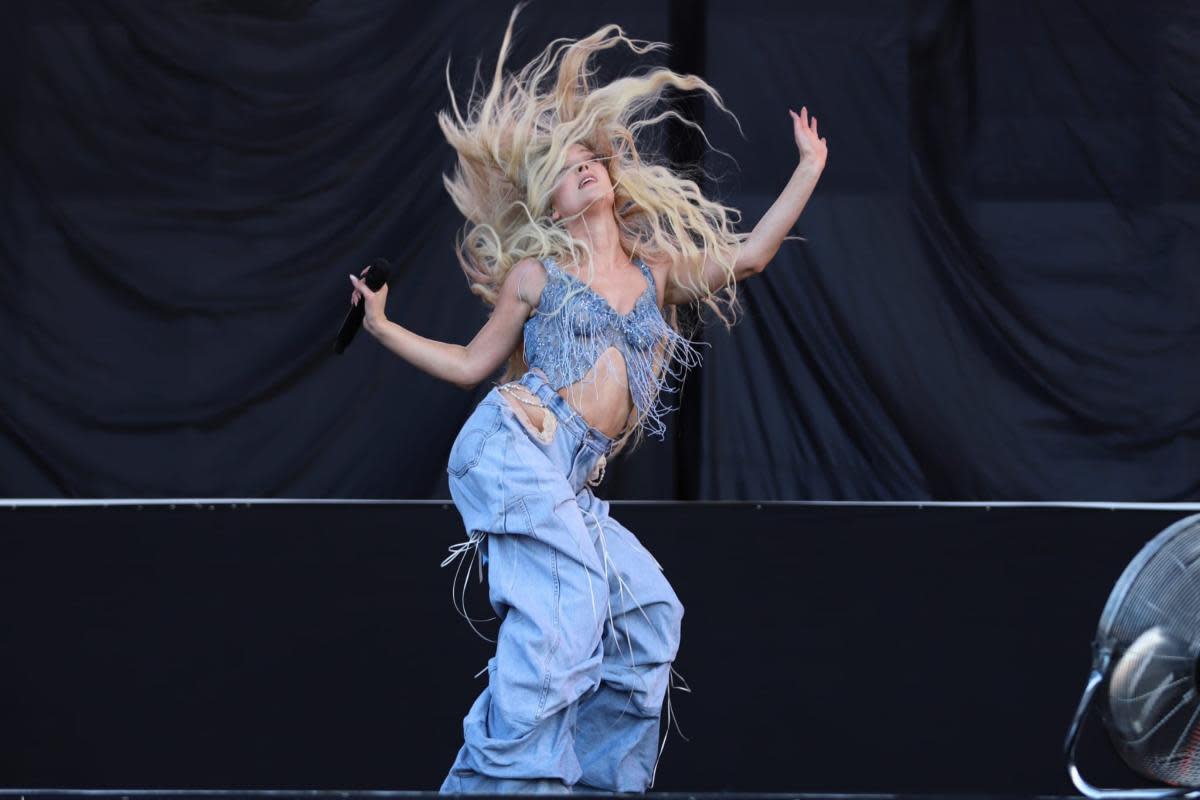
[375, 301]
[355, 295]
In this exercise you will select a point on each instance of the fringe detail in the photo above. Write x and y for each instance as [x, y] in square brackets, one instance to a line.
[566, 339]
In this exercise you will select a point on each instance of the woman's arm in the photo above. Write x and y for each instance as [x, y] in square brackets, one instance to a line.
[764, 241]
[464, 366]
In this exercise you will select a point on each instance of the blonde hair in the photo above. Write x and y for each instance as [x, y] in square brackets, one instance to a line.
[512, 145]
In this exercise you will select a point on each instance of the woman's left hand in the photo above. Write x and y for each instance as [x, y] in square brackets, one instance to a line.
[812, 147]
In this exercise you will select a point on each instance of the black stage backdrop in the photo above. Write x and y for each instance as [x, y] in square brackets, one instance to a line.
[997, 298]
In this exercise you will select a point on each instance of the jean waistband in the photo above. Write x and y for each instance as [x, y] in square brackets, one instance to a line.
[534, 381]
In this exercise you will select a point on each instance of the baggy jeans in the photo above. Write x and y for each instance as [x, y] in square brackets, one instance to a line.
[589, 624]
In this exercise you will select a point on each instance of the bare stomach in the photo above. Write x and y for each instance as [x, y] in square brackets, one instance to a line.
[601, 397]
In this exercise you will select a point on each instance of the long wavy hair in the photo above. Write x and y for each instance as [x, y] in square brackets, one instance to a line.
[512, 140]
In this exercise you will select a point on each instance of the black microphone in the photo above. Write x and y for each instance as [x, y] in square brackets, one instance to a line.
[376, 277]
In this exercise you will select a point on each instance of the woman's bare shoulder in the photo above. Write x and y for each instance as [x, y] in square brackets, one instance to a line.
[529, 277]
[660, 268]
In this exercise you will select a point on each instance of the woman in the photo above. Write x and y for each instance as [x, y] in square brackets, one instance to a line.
[583, 246]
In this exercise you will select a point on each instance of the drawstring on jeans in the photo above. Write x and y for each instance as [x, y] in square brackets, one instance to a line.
[670, 718]
[456, 550]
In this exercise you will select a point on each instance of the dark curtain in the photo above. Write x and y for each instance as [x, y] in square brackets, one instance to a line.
[996, 299]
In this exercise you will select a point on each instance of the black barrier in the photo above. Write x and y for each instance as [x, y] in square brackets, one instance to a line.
[827, 647]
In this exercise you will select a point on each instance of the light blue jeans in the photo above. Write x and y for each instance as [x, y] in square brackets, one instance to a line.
[589, 624]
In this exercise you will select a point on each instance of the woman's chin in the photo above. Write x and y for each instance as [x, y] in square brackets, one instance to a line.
[600, 201]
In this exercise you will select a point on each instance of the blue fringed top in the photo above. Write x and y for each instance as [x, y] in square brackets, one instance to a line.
[573, 324]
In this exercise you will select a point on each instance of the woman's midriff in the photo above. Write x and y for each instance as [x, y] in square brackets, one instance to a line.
[605, 404]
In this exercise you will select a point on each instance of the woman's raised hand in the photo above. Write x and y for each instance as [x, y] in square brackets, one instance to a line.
[375, 301]
[812, 147]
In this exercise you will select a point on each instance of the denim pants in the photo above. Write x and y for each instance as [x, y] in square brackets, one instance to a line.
[589, 624]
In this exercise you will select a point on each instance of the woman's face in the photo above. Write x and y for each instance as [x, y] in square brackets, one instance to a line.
[584, 183]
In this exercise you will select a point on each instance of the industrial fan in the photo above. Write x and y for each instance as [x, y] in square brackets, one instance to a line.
[1145, 660]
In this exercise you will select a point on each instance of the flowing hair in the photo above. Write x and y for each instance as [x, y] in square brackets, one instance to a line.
[512, 142]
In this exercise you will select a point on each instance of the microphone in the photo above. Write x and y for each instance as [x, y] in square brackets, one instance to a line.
[376, 277]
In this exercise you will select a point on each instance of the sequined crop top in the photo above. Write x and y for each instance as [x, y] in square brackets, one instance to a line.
[573, 325]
